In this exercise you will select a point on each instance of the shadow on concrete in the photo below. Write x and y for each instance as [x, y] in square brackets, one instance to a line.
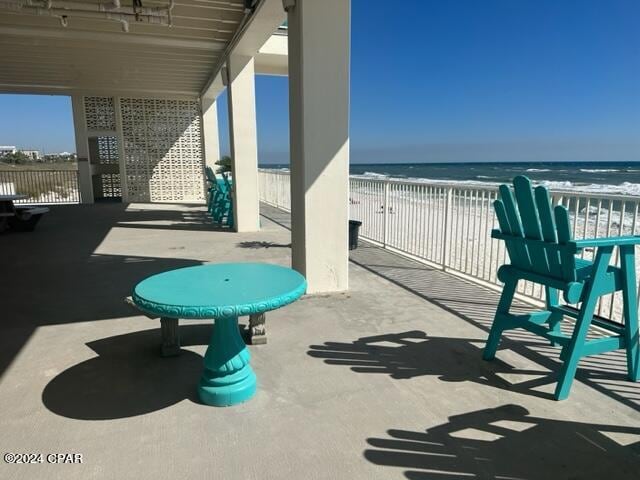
[476, 305]
[508, 443]
[128, 377]
[277, 216]
[256, 245]
[605, 373]
[412, 354]
[55, 276]
[196, 220]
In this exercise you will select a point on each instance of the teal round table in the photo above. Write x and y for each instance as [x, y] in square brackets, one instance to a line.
[222, 292]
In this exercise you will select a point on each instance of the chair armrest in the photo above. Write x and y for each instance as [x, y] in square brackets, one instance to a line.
[569, 247]
[608, 241]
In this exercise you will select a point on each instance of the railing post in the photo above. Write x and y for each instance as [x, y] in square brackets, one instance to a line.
[385, 214]
[446, 231]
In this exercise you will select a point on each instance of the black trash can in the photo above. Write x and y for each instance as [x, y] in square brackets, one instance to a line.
[354, 226]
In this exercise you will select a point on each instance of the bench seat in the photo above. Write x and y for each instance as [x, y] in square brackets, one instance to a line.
[26, 217]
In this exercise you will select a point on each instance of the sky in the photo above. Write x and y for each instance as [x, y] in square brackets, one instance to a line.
[37, 122]
[451, 80]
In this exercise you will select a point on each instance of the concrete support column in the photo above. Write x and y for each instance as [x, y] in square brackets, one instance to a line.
[319, 45]
[210, 132]
[244, 143]
[82, 149]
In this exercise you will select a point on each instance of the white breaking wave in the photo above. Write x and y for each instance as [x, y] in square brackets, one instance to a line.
[598, 170]
[375, 175]
[538, 170]
[625, 188]
[379, 176]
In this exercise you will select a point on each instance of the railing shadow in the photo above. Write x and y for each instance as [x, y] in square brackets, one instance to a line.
[277, 216]
[509, 443]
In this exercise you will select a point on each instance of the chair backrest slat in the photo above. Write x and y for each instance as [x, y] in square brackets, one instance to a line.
[548, 226]
[211, 177]
[530, 223]
[225, 184]
[512, 248]
[520, 256]
[568, 260]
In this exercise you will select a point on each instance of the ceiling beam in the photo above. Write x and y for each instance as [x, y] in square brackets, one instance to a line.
[32, 89]
[267, 17]
[111, 37]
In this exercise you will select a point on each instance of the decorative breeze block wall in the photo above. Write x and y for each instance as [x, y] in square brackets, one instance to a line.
[108, 150]
[100, 114]
[163, 153]
[108, 155]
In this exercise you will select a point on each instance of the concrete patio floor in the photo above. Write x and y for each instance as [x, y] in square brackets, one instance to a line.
[385, 381]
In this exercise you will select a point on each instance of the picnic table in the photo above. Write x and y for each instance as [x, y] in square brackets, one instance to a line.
[6, 202]
[22, 217]
[222, 292]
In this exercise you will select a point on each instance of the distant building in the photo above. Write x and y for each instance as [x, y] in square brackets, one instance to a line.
[7, 149]
[33, 154]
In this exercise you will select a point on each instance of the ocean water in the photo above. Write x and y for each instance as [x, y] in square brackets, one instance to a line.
[594, 177]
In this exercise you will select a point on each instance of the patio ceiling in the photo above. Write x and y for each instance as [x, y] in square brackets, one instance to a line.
[38, 54]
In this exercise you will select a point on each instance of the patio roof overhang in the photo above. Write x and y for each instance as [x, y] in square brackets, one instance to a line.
[86, 54]
[93, 54]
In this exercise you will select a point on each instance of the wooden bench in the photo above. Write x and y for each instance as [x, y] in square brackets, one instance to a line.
[26, 218]
[22, 218]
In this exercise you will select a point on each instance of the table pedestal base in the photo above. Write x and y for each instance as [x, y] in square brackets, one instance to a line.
[227, 378]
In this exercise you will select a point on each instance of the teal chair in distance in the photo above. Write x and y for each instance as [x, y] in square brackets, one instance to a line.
[227, 187]
[211, 188]
[541, 250]
[219, 198]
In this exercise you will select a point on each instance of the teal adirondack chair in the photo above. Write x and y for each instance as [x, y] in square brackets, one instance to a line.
[211, 188]
[541, 250]
[219, 198]
[228, 189]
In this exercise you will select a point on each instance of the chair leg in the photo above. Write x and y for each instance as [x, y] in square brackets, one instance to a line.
[572, 352]
[229, 210]
[630, 305]
[210, 201]
[551, 295]
[506, 299]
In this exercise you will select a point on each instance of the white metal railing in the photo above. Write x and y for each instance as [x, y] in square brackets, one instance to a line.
[41, 186]
[274, 188]
[449, 225]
